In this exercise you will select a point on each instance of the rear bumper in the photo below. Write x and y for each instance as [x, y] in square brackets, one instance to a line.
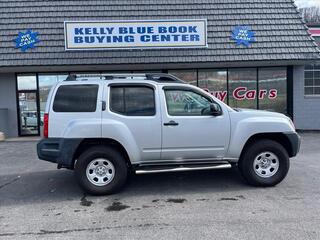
[58, 150]
[295, 142]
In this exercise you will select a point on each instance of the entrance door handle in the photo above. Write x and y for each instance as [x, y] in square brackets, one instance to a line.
[171, 123]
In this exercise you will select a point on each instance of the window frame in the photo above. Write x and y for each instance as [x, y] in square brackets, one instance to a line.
[126, 85]
[182, 88]
[313, 86]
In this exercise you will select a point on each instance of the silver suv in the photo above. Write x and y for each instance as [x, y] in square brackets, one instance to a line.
[106, 126]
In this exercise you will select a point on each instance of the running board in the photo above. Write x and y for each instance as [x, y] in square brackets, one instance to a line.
[183, 169]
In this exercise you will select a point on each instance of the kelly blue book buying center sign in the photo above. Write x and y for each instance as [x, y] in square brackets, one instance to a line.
[90, 35]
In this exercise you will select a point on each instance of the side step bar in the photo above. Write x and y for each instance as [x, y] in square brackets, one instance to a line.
[183, 169]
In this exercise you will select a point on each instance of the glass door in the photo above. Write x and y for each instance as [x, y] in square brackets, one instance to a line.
[28, 113]
[28, 107]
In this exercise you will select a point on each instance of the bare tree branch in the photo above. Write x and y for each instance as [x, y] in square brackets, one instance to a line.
[311, 14]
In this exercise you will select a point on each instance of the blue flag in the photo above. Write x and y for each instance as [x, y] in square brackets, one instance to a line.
[26, 40]
[243, 35]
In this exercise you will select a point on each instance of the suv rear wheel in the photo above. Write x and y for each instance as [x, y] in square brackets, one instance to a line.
[264, 163]
[101, 170]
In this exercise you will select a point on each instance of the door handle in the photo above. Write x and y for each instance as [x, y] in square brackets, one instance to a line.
[104, 105]
[171, 123]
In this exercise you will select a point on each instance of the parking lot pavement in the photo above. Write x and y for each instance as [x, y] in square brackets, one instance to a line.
[37, 201]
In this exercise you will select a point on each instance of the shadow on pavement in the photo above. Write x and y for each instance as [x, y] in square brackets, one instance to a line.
[50, 186]
[43, 186]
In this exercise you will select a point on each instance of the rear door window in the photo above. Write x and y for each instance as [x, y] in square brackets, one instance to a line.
[132, 100]
[76, 98]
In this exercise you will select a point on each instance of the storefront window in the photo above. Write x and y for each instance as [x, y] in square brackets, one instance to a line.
[147, 71]
[243, 88]
[27, 82]
[214, 81]
[45, 83]
[189, 76]
[263, 88]
[273, 89]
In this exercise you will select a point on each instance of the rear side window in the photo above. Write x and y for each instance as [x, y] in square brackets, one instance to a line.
[76, 98]
[132, 100]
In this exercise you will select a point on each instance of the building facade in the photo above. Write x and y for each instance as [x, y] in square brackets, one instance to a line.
[307, 101]
[248, 53]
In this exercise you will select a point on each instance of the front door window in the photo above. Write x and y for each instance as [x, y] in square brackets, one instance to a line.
[186, 103]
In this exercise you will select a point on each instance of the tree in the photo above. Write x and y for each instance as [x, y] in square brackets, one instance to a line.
[311, 14]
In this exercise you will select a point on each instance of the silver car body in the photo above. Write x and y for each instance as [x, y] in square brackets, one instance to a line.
[146, 139]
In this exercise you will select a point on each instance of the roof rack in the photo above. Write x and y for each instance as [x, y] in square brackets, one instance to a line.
[157, 77]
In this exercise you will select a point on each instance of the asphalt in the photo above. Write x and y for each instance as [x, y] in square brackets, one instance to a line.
[37, 201]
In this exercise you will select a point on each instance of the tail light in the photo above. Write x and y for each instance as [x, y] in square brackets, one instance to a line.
[46, 125]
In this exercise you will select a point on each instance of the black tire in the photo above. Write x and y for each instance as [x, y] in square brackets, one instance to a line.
[112, 155]
[246, 163]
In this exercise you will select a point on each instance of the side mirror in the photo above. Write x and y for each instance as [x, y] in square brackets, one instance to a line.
[215, 109]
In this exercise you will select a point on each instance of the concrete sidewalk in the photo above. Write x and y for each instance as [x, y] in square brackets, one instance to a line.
[23, 139]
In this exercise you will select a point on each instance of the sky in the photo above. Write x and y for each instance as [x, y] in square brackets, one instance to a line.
[307, 3]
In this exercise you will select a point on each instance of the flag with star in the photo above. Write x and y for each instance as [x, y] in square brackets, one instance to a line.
[243, 35]
[26, 40]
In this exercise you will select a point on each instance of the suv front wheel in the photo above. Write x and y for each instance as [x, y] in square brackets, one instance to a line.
[101, 170]
[264, 163]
